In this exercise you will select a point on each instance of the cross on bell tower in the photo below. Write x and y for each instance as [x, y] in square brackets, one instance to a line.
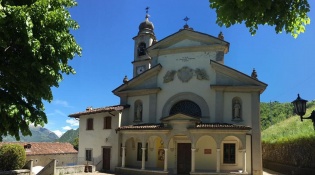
[144, 39]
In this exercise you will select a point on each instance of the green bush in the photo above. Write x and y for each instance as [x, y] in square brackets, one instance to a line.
[12, 157]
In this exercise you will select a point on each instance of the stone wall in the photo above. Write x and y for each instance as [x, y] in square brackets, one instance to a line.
[16, 172]
[71, 169]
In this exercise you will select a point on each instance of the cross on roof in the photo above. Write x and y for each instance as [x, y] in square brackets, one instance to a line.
[147, 9]
[186, 19]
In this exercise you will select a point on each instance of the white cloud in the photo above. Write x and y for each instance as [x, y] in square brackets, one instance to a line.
[66, 128]
[56, 113]
[62, 103]
[60, 113]
[73, 122]
[58, 133]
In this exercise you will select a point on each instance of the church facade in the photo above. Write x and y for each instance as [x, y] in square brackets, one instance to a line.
[183, 111]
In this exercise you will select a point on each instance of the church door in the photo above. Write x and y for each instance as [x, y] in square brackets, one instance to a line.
[106, 159]
[183, 158]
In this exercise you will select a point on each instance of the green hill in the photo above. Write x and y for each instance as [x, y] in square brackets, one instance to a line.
[291, 128]
[288, 146]
[69, 136]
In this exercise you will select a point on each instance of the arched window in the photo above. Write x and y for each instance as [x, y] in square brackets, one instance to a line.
[186, 107]
[138, 111]
[141, 49]
[236, 108]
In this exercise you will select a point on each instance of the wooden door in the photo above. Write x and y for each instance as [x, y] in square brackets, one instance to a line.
[106, 159]
[183, 158]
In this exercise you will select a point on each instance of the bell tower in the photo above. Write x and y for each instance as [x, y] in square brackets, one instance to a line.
[144, 39]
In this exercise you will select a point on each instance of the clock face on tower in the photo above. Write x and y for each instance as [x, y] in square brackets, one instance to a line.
[140, 69]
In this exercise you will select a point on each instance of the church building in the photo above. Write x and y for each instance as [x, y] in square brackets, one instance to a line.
[183, 112]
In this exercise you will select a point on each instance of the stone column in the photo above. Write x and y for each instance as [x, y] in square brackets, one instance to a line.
[244, 161]
[165, 159]
[193, 152]
[143, 158]
[218, 160]
[123, 158]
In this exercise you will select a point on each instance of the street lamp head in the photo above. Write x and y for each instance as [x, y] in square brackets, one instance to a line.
[299, 106]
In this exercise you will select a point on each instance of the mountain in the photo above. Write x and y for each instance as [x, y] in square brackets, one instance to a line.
[39, 134]
[69, 136]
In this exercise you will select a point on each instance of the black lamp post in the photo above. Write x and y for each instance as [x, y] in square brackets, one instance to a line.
[300, 109]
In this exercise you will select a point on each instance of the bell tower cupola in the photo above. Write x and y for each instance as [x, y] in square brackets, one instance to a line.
[144, 39]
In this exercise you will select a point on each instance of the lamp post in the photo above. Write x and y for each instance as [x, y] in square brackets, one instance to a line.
[300, 109]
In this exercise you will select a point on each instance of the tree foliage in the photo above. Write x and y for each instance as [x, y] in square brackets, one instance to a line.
[286, 15]
[12, 157]
[274, 112]
[35, 47]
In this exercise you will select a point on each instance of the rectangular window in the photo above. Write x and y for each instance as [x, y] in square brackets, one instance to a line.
[88, 155]
[107, 123]
[139, 152]
[229, 153]
[89, 124]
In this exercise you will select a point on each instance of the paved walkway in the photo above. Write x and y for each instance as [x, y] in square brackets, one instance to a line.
[266, 172]
[270, 172]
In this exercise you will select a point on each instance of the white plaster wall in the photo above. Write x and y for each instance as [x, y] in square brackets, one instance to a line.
[175, 62]
[61, 159]
[98, 138]
[206, 161]
[185, 43]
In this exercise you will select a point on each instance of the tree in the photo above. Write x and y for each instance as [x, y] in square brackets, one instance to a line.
[75, 143]
[288, 15]
[35, 47]
[12, 157]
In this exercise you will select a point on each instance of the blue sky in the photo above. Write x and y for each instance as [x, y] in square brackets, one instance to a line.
[106, 31]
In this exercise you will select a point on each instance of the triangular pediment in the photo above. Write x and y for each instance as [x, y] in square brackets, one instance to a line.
[144, 83]
[230, 79]
[179, 117]
[189, 40]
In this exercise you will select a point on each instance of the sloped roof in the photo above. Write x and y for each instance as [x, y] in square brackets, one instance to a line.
[139, 78]
[158, 126]
[146, 126]
[45, 148]
[99, 110]
[221, 126]
[190, 34]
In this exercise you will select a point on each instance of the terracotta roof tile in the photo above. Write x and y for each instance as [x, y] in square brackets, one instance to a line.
[44, 148]
[99, 110]
[221, 126]
[145, 126]
[156, 126]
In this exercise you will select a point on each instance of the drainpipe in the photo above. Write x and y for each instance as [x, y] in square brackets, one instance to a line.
[251, 152]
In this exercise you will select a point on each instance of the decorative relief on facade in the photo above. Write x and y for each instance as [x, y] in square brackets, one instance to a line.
[185, 74]
[201, 74]
[169, 76]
